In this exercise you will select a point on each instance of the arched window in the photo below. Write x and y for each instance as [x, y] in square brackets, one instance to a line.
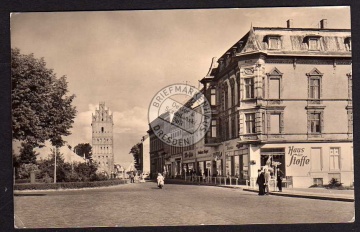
[102, 129]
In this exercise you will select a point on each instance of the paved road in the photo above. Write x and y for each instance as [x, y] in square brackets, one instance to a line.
[145, 205]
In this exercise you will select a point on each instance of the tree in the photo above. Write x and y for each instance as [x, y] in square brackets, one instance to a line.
[41, 109]
[27, 154]
[136, 152]
[84, 149]
[46, 167]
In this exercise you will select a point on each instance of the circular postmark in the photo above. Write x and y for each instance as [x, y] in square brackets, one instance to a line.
[179, 115]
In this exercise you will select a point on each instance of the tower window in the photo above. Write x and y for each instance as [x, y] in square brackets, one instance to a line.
[102, 129]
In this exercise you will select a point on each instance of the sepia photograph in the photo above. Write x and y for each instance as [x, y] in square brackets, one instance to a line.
[183, 117]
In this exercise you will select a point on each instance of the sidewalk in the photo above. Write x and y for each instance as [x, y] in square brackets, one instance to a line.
[311, 193]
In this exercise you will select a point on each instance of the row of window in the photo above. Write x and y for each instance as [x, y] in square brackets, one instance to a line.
[313, 42]
[274, 124]
[102, 139]
[317, 159]
[274, 88]
[102, 156]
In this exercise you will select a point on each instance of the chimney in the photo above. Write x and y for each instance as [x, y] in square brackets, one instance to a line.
[289, 23]
[323, 23]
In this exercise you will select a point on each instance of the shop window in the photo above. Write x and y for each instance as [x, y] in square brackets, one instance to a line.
[334, 158]
[318, 181]
[316, 159]
[219, 167]
[213, 97]
[245, 167]
[228, 166]
[250, 123]
[237, 166]
[249, 88]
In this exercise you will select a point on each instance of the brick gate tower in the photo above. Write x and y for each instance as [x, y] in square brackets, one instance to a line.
[102, 139]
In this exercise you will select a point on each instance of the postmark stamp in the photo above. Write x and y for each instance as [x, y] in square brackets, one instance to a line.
[179, 115]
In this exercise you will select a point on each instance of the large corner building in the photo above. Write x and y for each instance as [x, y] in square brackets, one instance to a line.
[280, 94]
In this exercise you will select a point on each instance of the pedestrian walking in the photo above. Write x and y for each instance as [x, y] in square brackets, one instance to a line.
[160, 180]
[279, 178]
[267, 181]
[132, 177]
[260, 181]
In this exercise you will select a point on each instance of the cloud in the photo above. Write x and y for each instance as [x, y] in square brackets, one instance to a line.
[133, 120]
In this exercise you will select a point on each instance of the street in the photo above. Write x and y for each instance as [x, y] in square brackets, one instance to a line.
[143, 204]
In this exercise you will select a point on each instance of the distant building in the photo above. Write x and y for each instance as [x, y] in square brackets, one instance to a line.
[144, 160]
[102, 139]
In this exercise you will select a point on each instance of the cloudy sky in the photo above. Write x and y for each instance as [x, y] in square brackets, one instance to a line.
[124, 57]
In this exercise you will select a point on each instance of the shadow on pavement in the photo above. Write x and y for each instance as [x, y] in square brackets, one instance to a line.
[29, 194]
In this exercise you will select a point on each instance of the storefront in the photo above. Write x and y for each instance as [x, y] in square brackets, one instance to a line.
[307, 164]
[204, 162]
[176, 166]
[236, 159]
[188, 162]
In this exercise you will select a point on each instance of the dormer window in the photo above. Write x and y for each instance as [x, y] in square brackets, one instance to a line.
[313, 42]
[348, 43]
[274, 42]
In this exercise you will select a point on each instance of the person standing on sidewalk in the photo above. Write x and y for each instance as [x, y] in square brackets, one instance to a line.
[267, 181]
[132, 177]
[279, 178]
[260, 181]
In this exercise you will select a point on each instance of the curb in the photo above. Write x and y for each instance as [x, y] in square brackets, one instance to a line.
[306, 196]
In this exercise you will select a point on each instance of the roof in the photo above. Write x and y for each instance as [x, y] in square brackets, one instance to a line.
[293, 41]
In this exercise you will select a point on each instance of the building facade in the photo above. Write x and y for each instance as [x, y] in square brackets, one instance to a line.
[102, 139]
[284, 95]
[279, 95]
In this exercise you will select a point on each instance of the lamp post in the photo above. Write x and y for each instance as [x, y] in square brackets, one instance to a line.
[56, 149]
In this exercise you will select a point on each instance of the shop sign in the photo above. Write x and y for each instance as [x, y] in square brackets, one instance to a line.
[188, 155]
[208, 164]
[298, 158]
[203, 152]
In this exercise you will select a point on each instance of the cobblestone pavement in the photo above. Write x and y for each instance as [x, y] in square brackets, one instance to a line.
[143, 204]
